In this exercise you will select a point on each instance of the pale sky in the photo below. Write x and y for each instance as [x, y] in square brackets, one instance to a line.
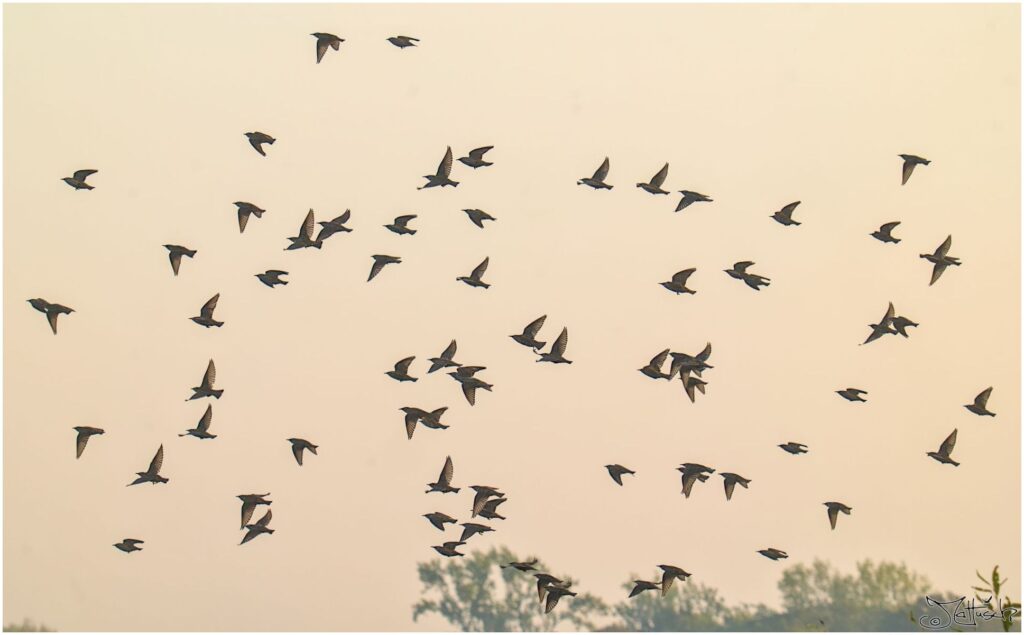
[755, 106]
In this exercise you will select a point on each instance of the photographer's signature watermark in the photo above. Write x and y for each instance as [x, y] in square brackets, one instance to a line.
[964, 612]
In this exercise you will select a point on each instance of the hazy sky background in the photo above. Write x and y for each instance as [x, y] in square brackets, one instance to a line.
[756, 106]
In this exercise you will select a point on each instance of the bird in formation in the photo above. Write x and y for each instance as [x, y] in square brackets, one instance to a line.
[333, 226]
[689, 198]
[438, 519]
[669, 574]
[654, 186]
[379, 262]
[616, 471]
[471, 529]
[152, 474]
[258, 139]
[444, 481]
[884, 233]
[785, 215]
[129, 545]
[51, 311]
[597, 180]
[272, 277]
[175, 252]
[653, 367]
[557, 353]
[298, 445]
[528, 337]
[428, 419]
[852, 394]
[464, 375]
[909, 163]
[305, 238]
[202, 429]
[773, 554]
[444, 171]
[942, 456]
[691, 473]
[205, 317]
[833, 512]
[261, 526]
[448, 549]
[980, 405]
[475, 278]
[475, 159]
[403, 41]
[445, 360]
[325, 41]
[244, 210]
[730, 483]
[205, 388]
[77, 180]
[643, 585]
[84, 432]
[940, 260]
[400, 225]
[794, 448]
[677, 284]
[478, 216]
[401, 370]
[752, 280]
[249, 504]
[529, 565]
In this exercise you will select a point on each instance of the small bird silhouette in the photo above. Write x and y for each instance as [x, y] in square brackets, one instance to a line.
[475, 278]
[546, 580]
[259, 527]
[616, 471]
[682, 362]
[175, 254]
[752, 280]
[470, 384]
[471, 529]
[305, 237]
[901, 324]
[244, 210]
[444, 170]
[909, 162]
[152, 475]
[401, 225]
[333, 226]
[884, 233]
[77, 180]
[51, 311]
[490, 509]
[521, 566]
[654, 187]
[448, 549]
[597, 181]
[554, 594]
[205, 317]
[298, 445]
[785, 215]
[677, 284]
[940, 260]
[884, 326]
[429, 419]
[438, 519]
[445, 360]
[528, 337]
[205, 389]
[557, 353]
[484, 494]
[689, 198]
[942, 456]
[84, 432]
[980, 405]
[272, 277]
[129, 545]
[403, 41]
[653, 367]
[794, 448]
[643, 585]
[323, 41]
[257, 139]
[444, 481]
[833, 512]
[773, 553]
[401, 371]
[478, 216]
[730, 483]
[202, 429]
[691, 473]
[249, 504]
[669, 574]
[476, 158]
[852, 394]
[379, 262]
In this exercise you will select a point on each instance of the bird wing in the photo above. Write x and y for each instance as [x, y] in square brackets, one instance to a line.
[680, 277]
[615, 474]
[705, 354]
[689, 478]
[402, 365]
[602, 171]
[833, 514]
[446, 472]
[659, 360]
[981, 400]
[210, 376]
[534, 327]
[730, 485]
[157, 462]
[659, 178]
[402, 221]
[83, 438]
[741, 267]
[444, 169]
[449, 352]
[51, 317]
[478, 153]
[243, 218]
[937, 272]
[321, 49]
[306, 229]
[378, 264]
[410, 424]
[947, 446]
[247, 509]
[175, 257]
[341, 220]
[80, 175]
[204, 423]
[908, 169]
[689, 387]
[470, 391]
[889, 315]
[787, 211]
[944, 247]
[297, 452]
[263, 522]
[211, 304]
[558, 348]
[888, 227]
[480, 269]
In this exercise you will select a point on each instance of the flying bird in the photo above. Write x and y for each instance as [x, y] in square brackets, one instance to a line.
[554, 594]
[521, 566]
[689, 198]
[476, 158]
[691, 473]
[773, 554]
[654, 187]
[616, 471]
[175, 254]
[909, 162]
[84, 432]
[942, 456]
[445, 360]
[205, 389]
[152, 475]
[643, 585]
[557, 353]
[471, 529]
[205, 317]
[597, 181]
[884, 233]
[305, 237]
[490, 509]
[333, 226]
[475, 278]
[690, 383]
[478, 216]
[444, 481]
[669, 574]
[833, 512]
[438, 519]
[51, 311]
[940, 260]
[653, 368]
[244, 210]
[323, 41]
[429, 419]
[546, 580]
[77, 180]
[403, 41]
[401, 225]
[785, 215]
[730, 483]
[752, 280]
[980, 405]
[884, 326]
[401, 371]
[129, 545]
[685, 363]
[484, 494]
[298, 445]
[444, 170]
[249, 504]
[794, 448]
[448, 549]
[379, 262]
[470, 384]
[901, 324]
[677, 284]
[257, 139]
[528, 337]
[202, 429]
[852, 394]
[272, 277]
[259, 527]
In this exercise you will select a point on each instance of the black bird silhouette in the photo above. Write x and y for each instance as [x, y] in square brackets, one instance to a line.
[901, 324]
[305, 237]
[129, 545]
[175, 254]
[884, 326]
[785, 215]
[643, 585]
[298, 445]
[833, 512]
[773, 553]
[446, 359]
[730, 483]
[794, 448]
[942, 456]
[471, 529]
[490, 509]
[884, 233]
[597, 181]
[205, 317]
[202, 429]
[752, 280]
[669, 574]
[653, 368]
[259, 527]
[616, 471]
[852, 394]
[257, 139]
[476, 158]
[689, 198]
[272, 277]
[980, 405]
[401, 225]
[444, 481]
[554, 594]
[940, 260]
[909, 162]
[483, 496]
[84, 432]
[521, 566]
[444, 170]
[379, 262]
[77, 180]
[249, 504]
[51, 311]
[654, 187]
[333, 226]
[557, 353]
[152, 475]
[205, 389]
[401, 371]
[528, 337]
[244, 210]
[323, 41]
[684, 363]
[470, 383]
[677, 284]
[691, 473]
[448, 549]
[438, 519]
[478, 216]
[403, 41]
[546, 580]
[475, 278]
[429, 419]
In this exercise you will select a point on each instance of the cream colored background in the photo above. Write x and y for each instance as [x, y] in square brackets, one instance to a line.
[756, 106]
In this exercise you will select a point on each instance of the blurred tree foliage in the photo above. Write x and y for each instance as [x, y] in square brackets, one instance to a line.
[26, 626]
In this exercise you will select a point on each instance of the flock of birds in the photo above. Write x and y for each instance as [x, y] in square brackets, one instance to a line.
[486, 500]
